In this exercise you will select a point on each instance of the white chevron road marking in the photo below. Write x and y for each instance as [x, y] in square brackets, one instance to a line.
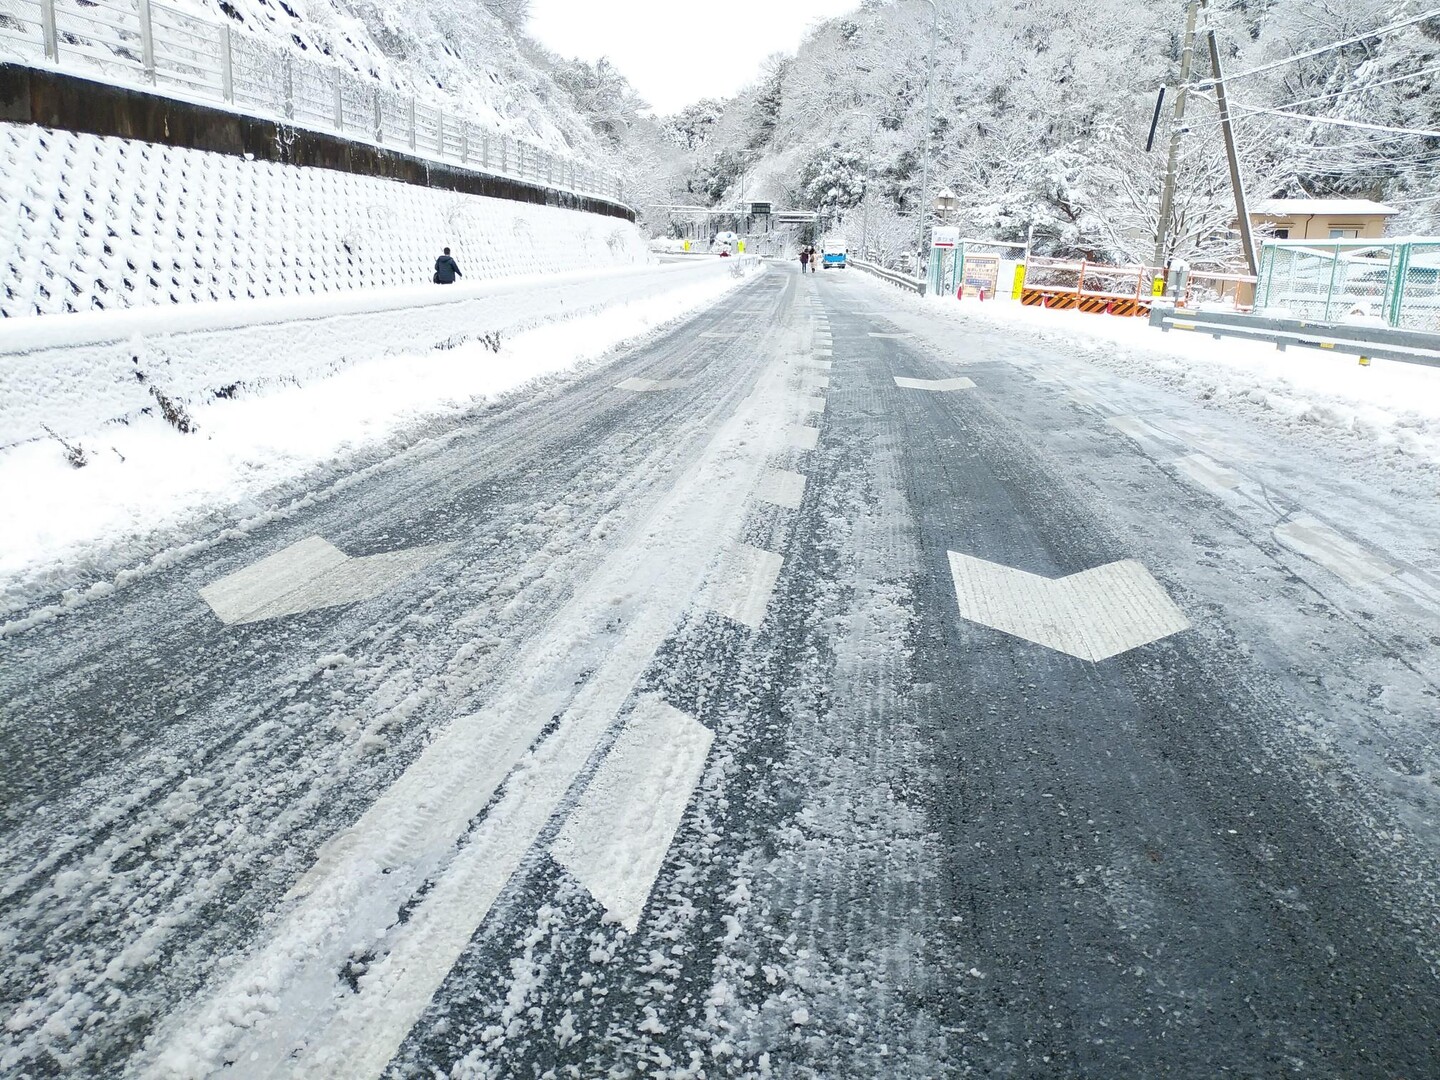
[1092, 615]
[308, 575]
[934, 384]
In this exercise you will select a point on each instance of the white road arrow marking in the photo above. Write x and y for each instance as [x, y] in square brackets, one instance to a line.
[616, 838]
[308, 575]
[783, 488]
[1092, 615]
[742, 583]
[642, 386]
[1345, 559]
[935, 384]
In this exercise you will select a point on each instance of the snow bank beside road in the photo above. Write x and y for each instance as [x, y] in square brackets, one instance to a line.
[1389, 408]
[148, 486]
[75, 373]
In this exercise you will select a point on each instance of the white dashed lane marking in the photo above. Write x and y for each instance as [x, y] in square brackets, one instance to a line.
[1344, 558]
[615, 840]
[804, 438]
[741, 585]
[783, 488]
[1210, 475]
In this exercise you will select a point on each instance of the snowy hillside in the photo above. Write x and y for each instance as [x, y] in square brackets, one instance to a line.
[462, 58]
[1041, 113]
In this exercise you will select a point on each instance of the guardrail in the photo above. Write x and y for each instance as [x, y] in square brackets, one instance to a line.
[151, 45]
[1410, 346]
[905, 281]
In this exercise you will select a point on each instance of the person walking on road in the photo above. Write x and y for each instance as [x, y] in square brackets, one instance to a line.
[804, 258]
[446, 269]
[813, 258]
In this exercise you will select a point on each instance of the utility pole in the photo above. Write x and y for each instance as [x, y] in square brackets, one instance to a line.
[929, 126]
[1167, 195]
[1242, 211]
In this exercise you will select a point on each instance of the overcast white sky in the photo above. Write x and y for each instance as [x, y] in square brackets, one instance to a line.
[678, 51]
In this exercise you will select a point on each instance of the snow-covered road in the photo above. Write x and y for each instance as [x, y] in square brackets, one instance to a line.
[821, 689]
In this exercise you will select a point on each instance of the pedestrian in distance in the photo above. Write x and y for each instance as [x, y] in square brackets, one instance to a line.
[446, 269]
[814, 258]
[804, 258]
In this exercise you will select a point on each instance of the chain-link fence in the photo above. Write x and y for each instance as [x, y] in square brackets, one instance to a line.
[1397, 281]
[143, 42]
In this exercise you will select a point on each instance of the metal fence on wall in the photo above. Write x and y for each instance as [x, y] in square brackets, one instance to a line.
[149, 44]
[1397, 281]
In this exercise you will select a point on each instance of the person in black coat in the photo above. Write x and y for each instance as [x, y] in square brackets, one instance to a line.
[446, 269]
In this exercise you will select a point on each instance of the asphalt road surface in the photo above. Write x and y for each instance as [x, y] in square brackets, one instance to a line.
[813, 691]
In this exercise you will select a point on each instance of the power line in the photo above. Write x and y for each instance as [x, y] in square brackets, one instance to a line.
[1357, 89]
[1338, 122]
[1378, 32]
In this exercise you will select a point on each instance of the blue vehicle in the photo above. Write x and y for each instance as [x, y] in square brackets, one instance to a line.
[833, 259]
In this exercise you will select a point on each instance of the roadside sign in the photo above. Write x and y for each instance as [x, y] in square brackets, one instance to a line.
[759, 209]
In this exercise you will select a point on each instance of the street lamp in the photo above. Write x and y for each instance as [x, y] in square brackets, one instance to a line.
[945, 204]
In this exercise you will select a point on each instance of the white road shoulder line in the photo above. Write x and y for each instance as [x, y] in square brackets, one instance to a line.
[783, 488]
[1092, 615]
[803, 437]
[616, 838]
[935, 384]
[741, 585]
[815, 382]
[812, 404]
[1344, 558]
[823, 365]
[1207, 473]
[877, 334]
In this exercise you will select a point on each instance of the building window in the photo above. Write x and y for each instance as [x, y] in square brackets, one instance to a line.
[1282, 234]
[1345, 233]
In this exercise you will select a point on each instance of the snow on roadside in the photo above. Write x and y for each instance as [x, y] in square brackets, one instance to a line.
[147, 487]
[1390, 409]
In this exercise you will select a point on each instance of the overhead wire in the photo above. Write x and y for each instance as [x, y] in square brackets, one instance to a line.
[1379, 31]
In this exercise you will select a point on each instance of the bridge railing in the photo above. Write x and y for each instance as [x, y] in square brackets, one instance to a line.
[152, 45]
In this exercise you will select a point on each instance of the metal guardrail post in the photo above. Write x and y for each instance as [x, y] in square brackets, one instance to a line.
[465, 142]
[484, 149]
[339, 100]
[412, 121]
[549, 168]
[147, 40]
[227, 64]
[440, 132]
[288, 105]
[379, 117]
[504, 153]
[1399, 274]
[47, 23]
[1334, 270]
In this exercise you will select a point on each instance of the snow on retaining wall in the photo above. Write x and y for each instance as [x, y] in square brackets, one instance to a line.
[92, 223]
[77, 373]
